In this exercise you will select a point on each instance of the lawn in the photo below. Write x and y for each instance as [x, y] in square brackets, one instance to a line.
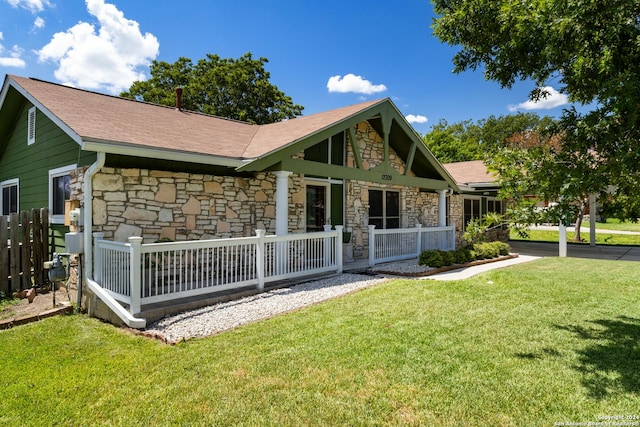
[546, 342]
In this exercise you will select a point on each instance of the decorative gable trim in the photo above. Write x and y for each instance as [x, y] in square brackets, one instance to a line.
[31, 127]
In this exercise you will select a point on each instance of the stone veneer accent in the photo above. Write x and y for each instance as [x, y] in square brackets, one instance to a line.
[183, 206]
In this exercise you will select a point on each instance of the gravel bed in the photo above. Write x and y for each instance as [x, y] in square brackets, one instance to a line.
[221, 317]
[402, 267]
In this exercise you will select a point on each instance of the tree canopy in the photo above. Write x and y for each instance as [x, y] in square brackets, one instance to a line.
[591, 50]
[468, 140]
[232, 88]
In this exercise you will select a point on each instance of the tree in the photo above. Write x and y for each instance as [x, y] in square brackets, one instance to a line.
[590, 49]
[458, 142]
[466, 140]
[233, 88]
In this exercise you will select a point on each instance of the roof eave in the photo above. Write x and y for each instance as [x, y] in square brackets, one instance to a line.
[111, 147]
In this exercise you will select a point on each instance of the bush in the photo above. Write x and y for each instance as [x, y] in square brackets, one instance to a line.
[448, 258]
[487, 250]
[431, 258]
[463, 255]
[484, 250]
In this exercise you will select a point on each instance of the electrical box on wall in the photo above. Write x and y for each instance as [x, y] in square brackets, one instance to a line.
[70, 205]
[74, 242]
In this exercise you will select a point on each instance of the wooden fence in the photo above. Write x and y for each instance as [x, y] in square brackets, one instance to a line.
[23, 248]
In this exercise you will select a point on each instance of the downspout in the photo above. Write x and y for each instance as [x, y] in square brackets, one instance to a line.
[119, 310]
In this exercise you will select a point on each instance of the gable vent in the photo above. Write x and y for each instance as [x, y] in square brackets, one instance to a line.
[31, 131]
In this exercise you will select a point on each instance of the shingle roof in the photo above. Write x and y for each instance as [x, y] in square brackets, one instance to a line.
[469, 173]
[110, 119]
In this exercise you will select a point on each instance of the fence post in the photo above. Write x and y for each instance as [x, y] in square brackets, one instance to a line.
[419, 241]
[339, 248]
[326, 253]
[260, 258]
[39, 255]
[4, 256]
[26, 253]
[97, 259]
[14, 235]
[372, 246]
[135, 248]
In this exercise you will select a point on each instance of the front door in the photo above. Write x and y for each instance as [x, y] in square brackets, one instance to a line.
[317, 207]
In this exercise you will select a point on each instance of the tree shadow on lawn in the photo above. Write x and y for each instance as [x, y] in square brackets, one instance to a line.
[610, 362]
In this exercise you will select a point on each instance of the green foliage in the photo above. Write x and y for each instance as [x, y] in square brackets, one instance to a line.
[477, 228]
[482, 250]
[488, 250]
[466, 140]
[432, 258]
[457, 142]
[463, 255]
[590, 51]
[233, 88]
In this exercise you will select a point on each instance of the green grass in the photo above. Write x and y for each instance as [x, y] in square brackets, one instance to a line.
[601, 238]
[550, 341]
[616, 224]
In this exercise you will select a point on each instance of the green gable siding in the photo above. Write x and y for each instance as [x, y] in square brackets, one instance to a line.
[31, 163]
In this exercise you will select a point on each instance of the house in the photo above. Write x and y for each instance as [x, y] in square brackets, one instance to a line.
[162, 173]
[479, 191]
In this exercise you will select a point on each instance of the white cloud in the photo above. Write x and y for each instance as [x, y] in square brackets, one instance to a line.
[14, 59]
[34, 6]
[110, 59]
[552, 100]
[411, 118]
[353, 83]
[38, 23]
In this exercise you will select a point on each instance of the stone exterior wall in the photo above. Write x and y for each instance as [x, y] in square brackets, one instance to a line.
[182, 206]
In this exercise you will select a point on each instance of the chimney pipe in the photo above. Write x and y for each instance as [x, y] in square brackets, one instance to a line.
[179, 98]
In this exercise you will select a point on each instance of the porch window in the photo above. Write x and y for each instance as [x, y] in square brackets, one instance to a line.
[59, 192]
[9, 196]
[471, 210]
[329, 151]
[494, 205]
[384, 208]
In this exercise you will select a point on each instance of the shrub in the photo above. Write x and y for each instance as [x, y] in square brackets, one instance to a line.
[463, 255]
[486, 250]
[448, 258]
[432, 258]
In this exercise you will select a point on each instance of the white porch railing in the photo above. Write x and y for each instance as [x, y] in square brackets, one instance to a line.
[137, 274]
[406, 243]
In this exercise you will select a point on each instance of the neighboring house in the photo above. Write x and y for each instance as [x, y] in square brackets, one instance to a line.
[479, 189]
[164, 173]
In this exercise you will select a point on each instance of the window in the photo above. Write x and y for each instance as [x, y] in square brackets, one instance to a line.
[384, 208]
[59, 192]
[329, 151]
[31, 130]
[9, 196]
[494, 205]
[471, 210]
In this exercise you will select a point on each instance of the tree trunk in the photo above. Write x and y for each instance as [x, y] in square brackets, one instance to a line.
[583, 206]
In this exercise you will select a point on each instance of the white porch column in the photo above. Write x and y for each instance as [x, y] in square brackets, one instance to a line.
[282, 202]
[442, 208]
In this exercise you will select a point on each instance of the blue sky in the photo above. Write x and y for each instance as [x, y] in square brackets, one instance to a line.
[324, 54]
